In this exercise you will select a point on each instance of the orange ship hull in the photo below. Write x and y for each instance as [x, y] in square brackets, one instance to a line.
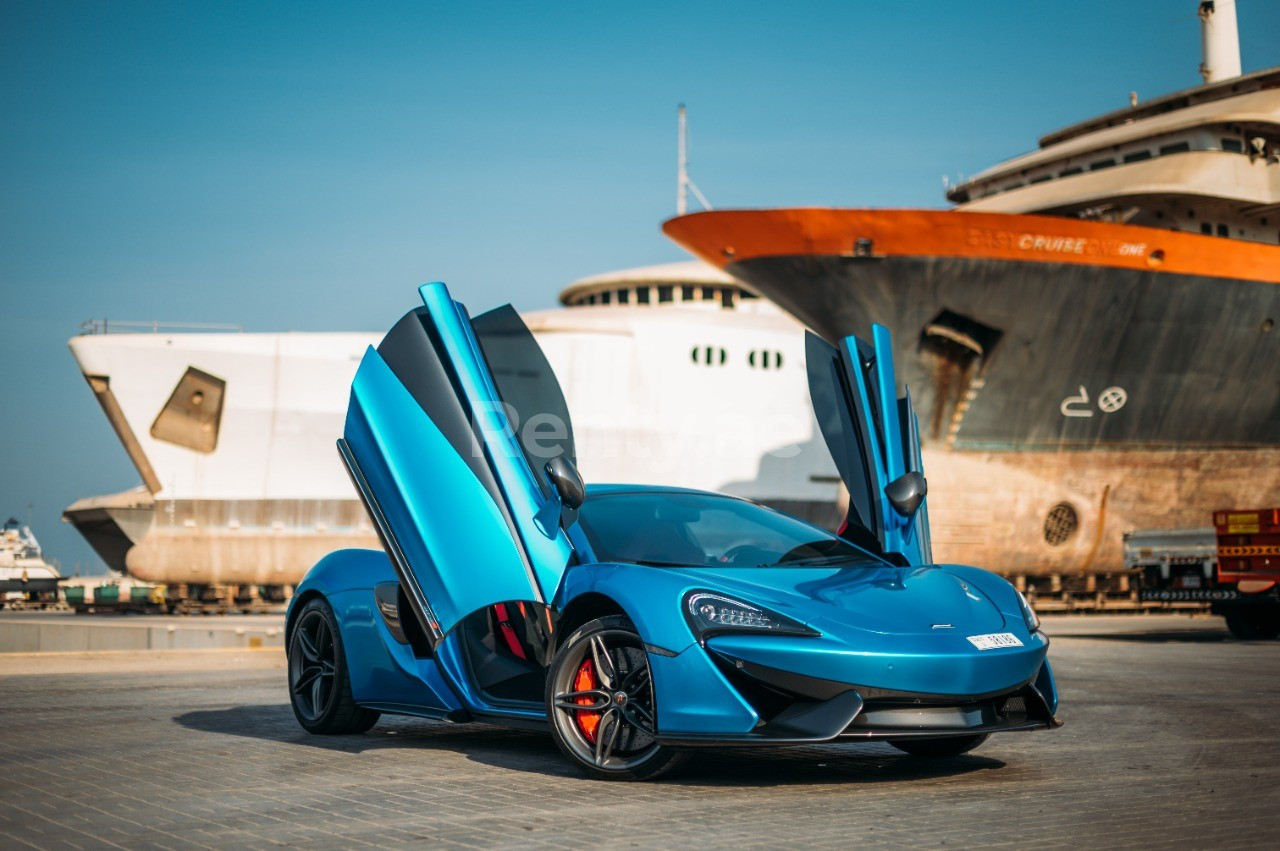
[1130, 373]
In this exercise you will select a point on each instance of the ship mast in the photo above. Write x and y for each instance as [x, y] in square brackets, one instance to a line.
[683, 184]
[1220, 39]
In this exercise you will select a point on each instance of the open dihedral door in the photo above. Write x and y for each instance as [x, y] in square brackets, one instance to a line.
[874, 438]
[451, 469]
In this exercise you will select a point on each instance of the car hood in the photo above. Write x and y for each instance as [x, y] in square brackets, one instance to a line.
[882, 599]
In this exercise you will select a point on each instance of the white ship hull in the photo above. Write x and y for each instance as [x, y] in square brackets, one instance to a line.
[271, 498]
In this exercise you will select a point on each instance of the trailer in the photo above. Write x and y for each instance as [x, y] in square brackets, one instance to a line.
[1249, 561]
[1232, 568]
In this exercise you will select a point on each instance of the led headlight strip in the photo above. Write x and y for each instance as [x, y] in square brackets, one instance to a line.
[709, 613]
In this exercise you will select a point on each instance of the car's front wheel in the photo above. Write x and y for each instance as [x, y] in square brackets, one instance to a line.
[319, 682]
[940, 747]
[600, 700]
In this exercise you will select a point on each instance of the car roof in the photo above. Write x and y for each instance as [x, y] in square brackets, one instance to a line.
[611, 489]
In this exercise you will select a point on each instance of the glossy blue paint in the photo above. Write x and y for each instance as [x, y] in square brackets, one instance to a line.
[388, 672]
[451, 532]
[547, 555]
[936, 664]
[886, 387]
[878, 625]
[695, 699]
[900, 432]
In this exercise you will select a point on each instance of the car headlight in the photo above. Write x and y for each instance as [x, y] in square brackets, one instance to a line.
[1028, 613]
[709, 613]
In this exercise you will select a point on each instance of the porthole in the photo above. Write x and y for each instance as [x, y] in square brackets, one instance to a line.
[709, 355]
[1060, 524]
[764, 359]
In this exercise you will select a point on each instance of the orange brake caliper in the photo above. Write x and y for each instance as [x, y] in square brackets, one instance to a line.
[585, 680]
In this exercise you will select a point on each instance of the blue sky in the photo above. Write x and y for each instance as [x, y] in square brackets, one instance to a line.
[303, 166]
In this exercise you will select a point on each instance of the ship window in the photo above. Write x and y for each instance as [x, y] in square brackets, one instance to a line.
[1101, 164]
[1012, 186]
[1042, 178]
[745, 294]
[642, 295]
[1060, 524]
[1223, 230]
[606, 297]
[1175, 148]
[708, 293]
[726, 298]
[1137, 156]
[1206, 228]
[764, 359]
[591, 299]
[1067, 172]
[1233, 146]
[665, 293]
[624, 296]
[686, 293]
[709, 355]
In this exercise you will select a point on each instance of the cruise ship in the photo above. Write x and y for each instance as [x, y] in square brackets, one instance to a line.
[674, 374]
[1090, 332]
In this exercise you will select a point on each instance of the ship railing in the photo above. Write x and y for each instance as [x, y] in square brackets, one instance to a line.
[115, 326]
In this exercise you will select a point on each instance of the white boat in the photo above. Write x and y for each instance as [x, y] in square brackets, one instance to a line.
[24, 574]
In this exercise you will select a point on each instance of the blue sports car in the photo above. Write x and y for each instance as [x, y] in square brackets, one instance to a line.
[637, 623]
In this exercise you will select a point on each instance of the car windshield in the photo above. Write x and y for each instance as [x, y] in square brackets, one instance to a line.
[667, 528]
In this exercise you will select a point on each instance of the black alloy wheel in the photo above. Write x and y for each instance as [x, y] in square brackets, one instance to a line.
[319, 685]
[600, 699]
[939, 747]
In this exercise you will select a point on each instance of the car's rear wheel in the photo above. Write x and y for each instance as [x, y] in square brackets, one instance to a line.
[600, 699]
[1254, 622]
[940, 747]
[319, 681]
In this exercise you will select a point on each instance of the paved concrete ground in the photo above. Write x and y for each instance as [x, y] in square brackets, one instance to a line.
[39, 631]
[1170, 740]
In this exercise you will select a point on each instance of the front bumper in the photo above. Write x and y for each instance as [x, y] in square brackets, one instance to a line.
[846, 716]
[760, 705]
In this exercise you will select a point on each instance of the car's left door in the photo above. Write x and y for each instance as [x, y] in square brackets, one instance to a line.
[449, 467]
[874, 438]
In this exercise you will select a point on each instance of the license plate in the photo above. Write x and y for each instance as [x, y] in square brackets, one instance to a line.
[994, 640]
[1191, 582]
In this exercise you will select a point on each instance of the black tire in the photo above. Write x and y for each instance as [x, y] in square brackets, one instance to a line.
[319, 683]
[940, 747]
[1254, 623]
[599, 662]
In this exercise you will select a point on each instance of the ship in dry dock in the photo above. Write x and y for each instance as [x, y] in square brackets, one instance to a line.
[1090, 333]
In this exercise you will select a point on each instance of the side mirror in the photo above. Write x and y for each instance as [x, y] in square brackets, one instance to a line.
[906, 492]
[567, 481]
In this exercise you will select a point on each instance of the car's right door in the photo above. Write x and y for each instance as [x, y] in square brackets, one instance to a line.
[874, 438]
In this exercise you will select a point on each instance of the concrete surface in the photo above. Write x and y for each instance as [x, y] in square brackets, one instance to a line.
[53, 632]
[1170, 740]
